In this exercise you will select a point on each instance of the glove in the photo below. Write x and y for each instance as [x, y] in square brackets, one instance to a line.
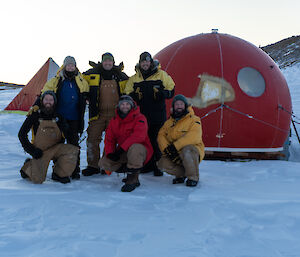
[37, 153]
[139, 93]
[172, 153]
[115, 156]
[158, 94]
[33, 109]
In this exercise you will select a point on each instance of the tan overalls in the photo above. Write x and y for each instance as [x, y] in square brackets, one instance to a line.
[108, 100]
[189, 166]
[47, 138]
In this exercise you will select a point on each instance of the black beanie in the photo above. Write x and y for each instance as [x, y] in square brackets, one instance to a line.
[108, 56]
[145, 56]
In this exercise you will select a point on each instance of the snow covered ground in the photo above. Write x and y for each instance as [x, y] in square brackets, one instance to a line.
[240, 209]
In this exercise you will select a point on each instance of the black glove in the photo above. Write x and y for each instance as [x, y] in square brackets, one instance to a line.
[172, 153]
[115, 156]
[37, 153]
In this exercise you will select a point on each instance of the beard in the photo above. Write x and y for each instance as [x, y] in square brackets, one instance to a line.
[123, 114]
[48, 110]
[177, 114]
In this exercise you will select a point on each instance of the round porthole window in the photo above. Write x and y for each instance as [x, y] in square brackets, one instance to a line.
[251, 82]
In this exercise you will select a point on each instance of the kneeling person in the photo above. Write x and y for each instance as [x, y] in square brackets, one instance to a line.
[47, 128]
[180, 141]
[127, 146]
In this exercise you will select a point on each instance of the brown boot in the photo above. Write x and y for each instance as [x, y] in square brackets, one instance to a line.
[132, 182]
[137, 183]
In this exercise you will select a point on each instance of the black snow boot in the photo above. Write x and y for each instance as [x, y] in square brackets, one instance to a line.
[128, 187]
[89, 171]
[23, 174]
[122, 169]
[102, 172]
[132, 182]
[148, 167]
[63, 180]
[137, 183]
[179, 180]
[76, 173]
[157, 172]
[191, 183]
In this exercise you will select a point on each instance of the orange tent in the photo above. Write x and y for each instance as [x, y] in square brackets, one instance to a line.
[27, 96]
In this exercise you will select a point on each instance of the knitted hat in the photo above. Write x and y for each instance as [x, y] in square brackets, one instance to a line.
[180, 98]
[49, 92]
[145, 56]
[69, 60]
[108, 56]
[128, 99]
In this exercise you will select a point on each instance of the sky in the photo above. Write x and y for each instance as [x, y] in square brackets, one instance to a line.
[34, 30]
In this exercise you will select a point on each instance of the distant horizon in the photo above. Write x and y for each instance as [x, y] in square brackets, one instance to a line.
[24, 84]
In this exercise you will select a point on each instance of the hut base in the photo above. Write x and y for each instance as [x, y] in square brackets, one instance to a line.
[234, 156]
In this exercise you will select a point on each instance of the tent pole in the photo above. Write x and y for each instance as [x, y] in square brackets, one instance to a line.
[295, 130]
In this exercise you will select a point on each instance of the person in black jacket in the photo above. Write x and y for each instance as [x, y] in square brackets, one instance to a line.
[150, 87]
[47, 144]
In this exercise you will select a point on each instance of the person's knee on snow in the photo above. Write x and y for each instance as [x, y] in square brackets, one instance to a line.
[66, 160]
[190, 160]
[48, 128]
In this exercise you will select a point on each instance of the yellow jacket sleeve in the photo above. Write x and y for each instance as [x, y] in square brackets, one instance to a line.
[50, 85]
[129, 86]
[87, 78]
[122, 85]
[192, 137]
[167, 81]
[162, 138]
[82, 84]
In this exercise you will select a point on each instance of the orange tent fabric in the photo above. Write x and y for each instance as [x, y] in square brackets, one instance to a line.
[27, 96]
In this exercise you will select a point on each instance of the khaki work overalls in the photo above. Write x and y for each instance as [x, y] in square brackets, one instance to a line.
[108, 100]
[64, 156]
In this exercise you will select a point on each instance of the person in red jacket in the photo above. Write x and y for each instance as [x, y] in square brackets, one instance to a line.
[127, 146]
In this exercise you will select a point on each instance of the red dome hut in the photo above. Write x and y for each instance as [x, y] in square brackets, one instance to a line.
[237, 90]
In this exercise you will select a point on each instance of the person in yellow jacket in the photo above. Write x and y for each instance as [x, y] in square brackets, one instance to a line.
[180, 141]
[71, 91]
[150, 87]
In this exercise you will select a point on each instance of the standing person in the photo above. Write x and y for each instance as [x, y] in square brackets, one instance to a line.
[71, 90]
[48, 143]
[150, 87]
[106, 83]
[127, 146]
[180, 140]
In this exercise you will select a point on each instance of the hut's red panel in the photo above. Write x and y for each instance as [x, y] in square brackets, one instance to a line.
[246, 124]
